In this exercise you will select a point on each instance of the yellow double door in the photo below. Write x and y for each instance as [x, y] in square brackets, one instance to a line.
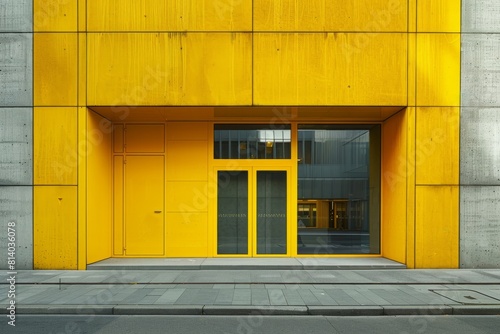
[253, 212]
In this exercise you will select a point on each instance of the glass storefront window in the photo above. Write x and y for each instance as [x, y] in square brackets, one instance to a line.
[251, 141]
[338, 189]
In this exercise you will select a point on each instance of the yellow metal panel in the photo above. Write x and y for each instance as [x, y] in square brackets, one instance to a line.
[118, 193]
[394, 200]
[82, 15]
[437, 148]
[438, 69]
[187, 131]
[437, 231]
[161, 15]
[170, 69]
[99, 188]
[55, 69]
[55, 145]
[186, 197]
[410, 184]
[439, 16]
[145, 138]
[82, 69]
[330, 69]
[55, 15]
[412, 69]
[55, 227]
[412, 15]
[118, 138]
[144, 206]
[186, 234]
[187, 161]
[330, 15]
[82, 188]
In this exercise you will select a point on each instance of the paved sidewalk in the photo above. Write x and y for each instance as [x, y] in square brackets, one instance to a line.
[242, 292]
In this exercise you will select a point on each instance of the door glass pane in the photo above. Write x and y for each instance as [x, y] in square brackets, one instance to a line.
[232, 211]
[271, 212]
[339, 189]
[251, 141]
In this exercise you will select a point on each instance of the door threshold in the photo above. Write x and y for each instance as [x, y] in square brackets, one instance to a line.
[303, 263]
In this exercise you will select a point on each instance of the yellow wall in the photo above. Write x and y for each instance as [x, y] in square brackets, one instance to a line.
[99, 195]
[55, 231]
[242, 53]
[393, 179]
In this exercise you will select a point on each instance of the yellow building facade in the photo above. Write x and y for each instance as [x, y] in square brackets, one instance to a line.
[131, 100]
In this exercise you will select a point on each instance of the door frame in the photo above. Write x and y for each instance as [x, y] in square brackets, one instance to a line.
[252, 208]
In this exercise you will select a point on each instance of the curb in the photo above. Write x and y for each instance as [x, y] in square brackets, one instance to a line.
[229, 310]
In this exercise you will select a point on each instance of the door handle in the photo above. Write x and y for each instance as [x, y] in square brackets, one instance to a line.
[157, 211]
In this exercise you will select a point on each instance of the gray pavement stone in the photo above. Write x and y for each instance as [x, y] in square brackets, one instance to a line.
[225, 297]
[65, 309]
[293, 297]
[242, 297]
[170, 297]
[260, 297]
[276, 297]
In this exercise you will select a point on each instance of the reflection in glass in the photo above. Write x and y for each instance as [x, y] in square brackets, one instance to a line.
[271, 212]
[232, 212]
[239, 141]
[338, 190]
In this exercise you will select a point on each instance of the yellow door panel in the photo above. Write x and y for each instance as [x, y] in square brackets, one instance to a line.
[144, 205]
[438, 16]
[145, 138]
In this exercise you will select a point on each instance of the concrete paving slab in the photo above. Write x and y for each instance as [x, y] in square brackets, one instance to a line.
[255, 310]
[349, 263]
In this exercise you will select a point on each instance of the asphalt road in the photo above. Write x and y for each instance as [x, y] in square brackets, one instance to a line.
[61, 324]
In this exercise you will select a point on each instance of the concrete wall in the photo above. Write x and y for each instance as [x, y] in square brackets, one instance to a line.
[480, 135]
[16, 128]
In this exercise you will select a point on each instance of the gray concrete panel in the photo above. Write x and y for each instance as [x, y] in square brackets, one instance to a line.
[16, 206]
[480, 146]
[480, 16]
[480, 70]
[16, 15]
[480, 227]
[16, 70]
[16, 143]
